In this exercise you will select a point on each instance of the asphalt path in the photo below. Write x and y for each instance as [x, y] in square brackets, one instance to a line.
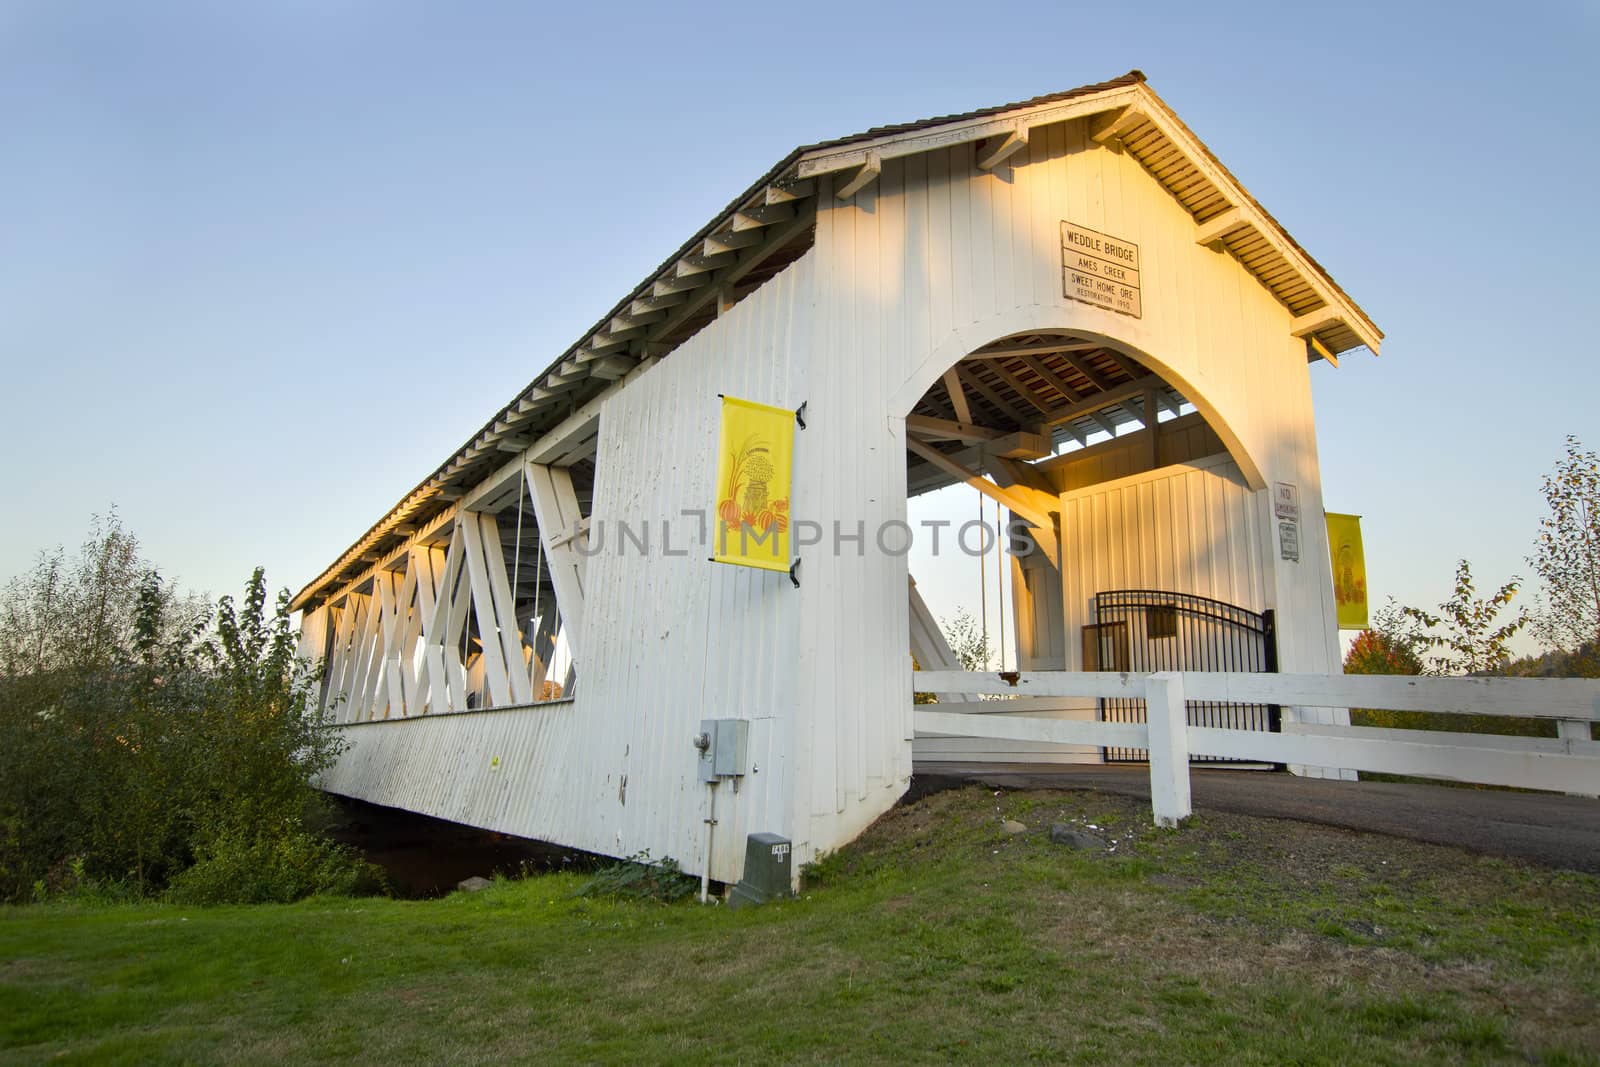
[1544, 828]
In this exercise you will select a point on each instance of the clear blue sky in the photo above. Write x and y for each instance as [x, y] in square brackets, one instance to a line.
[262, 267]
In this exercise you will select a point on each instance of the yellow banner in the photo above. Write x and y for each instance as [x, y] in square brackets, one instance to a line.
[1349, 570]
[755, 458]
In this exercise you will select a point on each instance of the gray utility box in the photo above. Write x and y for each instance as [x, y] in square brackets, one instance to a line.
[766, 871]
[727, 750]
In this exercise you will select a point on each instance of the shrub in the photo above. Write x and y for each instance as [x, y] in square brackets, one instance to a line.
[1399, 638]
[274, 867]
[141, 735]
[638, 878]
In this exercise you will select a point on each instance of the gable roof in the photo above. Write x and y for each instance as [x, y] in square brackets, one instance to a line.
[768, 225]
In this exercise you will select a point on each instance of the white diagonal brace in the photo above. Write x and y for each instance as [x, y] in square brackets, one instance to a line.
[930, 647]
[555, 508]
[427, 562]
[543, 646]
[441, 653]
[494, 658]
[505, 613]
[342, 619]
[359, 608]
[371, 638]
[386, 584]
[505, 673]
[402, 640]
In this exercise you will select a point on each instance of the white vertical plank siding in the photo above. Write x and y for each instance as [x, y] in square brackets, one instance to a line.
[933, 260]
[1165, 540]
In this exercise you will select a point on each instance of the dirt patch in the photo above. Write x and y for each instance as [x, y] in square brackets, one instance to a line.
[26, 970]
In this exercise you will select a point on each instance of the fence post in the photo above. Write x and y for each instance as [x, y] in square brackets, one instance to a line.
[1573, 729]
[1577, 730]
[1168, 723]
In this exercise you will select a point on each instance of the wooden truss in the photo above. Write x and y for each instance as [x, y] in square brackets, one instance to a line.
[447, 626]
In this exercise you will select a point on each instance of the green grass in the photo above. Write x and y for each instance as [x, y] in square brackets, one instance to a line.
[937, 938]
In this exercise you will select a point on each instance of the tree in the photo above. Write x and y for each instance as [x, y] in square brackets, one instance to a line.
[1567, 552]
[82, 613]
[1392, 644]
[1466, 636]
[968, 641]
[150, 743]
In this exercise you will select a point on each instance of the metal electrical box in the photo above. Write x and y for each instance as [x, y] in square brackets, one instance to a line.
[766, 871]
[726, 751]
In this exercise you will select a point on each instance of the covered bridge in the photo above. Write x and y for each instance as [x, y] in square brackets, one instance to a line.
[1068, 302]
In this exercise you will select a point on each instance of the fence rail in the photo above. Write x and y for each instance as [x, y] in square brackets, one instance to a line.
[1568, 763]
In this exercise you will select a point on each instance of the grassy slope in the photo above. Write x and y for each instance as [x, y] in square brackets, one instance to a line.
[937, 937]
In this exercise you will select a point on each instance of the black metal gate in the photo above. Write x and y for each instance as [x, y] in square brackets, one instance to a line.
[1151, 630]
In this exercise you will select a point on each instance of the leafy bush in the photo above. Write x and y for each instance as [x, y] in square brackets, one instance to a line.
[1398, 640]
[141, 733]
[638, 878]
[273, 868]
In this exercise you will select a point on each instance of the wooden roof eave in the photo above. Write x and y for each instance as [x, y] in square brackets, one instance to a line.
[777, 201]
[1246, 214]
[1119, 112]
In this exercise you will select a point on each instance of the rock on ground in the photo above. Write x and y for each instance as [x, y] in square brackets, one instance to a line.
[1062, 834]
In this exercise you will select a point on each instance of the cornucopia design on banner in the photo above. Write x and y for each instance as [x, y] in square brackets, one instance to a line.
[744, 500]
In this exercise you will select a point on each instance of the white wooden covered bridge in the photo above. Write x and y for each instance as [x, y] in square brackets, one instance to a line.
[1068, 301]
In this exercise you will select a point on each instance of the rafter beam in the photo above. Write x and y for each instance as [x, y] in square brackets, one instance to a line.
[1019, 387]
[691, 265]
[747, 261]
[1085, 368]
[636, 317]
[732, 241]
[857, 180]
[654, 302]
[613, 367]
[997, 150]
[1099, 402]
[1072, 395]
[1008, 472]
[1111, 128]
[1320, 319]
[754, 218]
[1052, 379]
[784, 192]
[1316, 350]
[994, 398]
[958, 396]
[1029, 505]
[1213, 232]
[1021, 444]
[944, 430]
[677, 283]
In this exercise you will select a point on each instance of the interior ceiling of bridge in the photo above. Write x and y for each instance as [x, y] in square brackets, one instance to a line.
[1067, 389]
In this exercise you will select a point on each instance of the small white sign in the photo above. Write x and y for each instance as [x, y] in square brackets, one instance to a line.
[1289, 541]
[1286, 501]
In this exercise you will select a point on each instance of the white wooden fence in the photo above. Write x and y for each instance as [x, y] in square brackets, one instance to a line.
[1568, 763]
